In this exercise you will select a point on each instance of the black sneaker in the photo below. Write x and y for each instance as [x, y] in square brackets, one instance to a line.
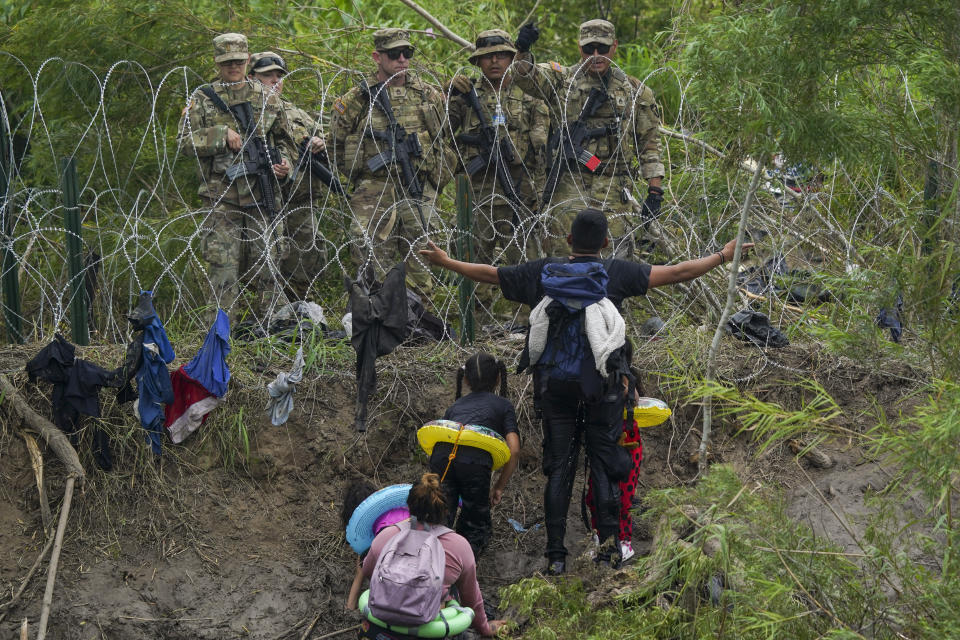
[557, 567]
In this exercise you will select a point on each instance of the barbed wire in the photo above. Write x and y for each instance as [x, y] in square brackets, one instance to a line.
[143, 229]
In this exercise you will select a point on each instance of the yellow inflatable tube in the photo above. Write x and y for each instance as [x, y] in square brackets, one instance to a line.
[468, 435]
[649, 412]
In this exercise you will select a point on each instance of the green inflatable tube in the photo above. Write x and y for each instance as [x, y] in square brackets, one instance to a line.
[451, 620]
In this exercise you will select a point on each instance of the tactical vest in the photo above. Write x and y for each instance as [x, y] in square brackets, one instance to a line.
[213, 169]
[516, 110]
[616, 151]
[414, 108]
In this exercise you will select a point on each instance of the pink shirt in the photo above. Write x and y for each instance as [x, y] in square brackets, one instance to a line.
[461, 570]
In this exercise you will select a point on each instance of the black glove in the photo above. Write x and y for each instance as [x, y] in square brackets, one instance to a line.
[527, 36]
[651, 206]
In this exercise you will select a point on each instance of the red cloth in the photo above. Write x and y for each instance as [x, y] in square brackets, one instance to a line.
[631, 433]
[191, 404]
[460, 570]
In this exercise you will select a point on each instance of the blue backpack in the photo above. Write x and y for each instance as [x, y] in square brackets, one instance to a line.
[573, 286]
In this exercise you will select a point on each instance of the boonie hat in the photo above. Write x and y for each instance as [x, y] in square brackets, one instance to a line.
[599, 31]
[492, 41]
[266, 61]
[230, 46]
[384, 39]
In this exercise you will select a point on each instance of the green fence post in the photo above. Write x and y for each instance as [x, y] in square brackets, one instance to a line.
[74, 237]
[8, 264]
[465, 253]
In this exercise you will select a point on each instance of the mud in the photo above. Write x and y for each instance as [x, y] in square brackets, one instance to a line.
[204, 548]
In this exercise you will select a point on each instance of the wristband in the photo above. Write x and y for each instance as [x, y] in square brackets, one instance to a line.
[722, 259]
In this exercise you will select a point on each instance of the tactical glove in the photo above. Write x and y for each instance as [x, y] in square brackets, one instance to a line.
[651, 206]
[459, 84]
[527, 36]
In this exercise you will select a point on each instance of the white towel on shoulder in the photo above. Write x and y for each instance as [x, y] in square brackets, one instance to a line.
[603, 324]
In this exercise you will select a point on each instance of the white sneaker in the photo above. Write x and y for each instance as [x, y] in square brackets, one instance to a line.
[596, 545]
[626, 550]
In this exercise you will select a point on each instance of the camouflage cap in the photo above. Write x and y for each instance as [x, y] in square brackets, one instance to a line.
[384, 39]
[230, 46]
[492, 41]
[599, 31]
[266, 61]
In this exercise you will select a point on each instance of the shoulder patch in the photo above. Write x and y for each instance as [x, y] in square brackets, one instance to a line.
[339, 106]
[556, 66]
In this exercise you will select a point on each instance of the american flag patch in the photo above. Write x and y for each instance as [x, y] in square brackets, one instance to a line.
[556, 66]
[339, 106]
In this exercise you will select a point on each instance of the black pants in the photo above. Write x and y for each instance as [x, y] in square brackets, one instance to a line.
[471, 484]
[568, 419]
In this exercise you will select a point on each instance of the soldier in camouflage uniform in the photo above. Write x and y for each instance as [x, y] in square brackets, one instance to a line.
[630, 147]
[305, 250]
[525, 122]
[236, 231]
[387, 222]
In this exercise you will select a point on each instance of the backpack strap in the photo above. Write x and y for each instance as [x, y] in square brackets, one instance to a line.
[217, 101]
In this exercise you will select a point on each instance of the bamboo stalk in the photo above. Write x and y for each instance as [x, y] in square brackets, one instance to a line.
[466, 44]
[727, 308]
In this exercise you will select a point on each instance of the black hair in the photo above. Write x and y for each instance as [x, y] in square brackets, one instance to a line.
[427, 500]
[588, 231]
[481, 371]
[355, 492]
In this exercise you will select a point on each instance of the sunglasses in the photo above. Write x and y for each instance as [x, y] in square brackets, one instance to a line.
[394, 54]
[595, 47]
[492, 41]
[266, 62]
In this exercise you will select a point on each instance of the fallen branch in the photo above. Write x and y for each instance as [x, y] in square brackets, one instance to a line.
[23, 630]
[55, 557]
[6, 606]
[466, 44]
[36, 461]
[337, 633]
[53, 436]
[310, 627]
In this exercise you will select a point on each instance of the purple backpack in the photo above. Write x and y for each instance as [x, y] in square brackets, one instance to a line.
[406, 587]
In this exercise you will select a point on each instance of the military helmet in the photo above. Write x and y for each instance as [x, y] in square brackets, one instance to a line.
[230, 46]
[599, 31]
[384, 39]
[491, 41]
[267, 61]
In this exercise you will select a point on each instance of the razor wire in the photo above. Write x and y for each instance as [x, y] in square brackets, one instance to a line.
[143, 227]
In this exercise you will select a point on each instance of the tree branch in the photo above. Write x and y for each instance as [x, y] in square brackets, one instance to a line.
[466, 44]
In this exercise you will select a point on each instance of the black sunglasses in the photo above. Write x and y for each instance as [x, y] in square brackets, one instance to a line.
[394, 54]
[591, 47]
[266, 62]
[491, 41]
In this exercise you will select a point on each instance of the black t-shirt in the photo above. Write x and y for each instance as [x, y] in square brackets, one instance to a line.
[482, 408]
[521, 283]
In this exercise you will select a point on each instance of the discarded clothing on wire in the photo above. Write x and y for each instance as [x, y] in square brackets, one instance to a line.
[753, 326]
[775, 277]
[281, 391]
[76, 393]
[201, 384]
[380, 322]
[153, 378]
[289, 323]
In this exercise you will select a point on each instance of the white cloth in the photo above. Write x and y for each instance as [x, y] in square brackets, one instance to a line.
[281, 391]
[606, 331]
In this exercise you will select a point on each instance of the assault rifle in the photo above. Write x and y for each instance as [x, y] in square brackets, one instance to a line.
[318, 163]
[566, 143]
[492, 149]
[258, 159]
[400, 146]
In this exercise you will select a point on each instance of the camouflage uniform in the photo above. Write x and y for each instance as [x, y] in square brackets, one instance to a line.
[525, 121]
[304, 249]
[387, 225]
[631, 106]
[234, 233]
